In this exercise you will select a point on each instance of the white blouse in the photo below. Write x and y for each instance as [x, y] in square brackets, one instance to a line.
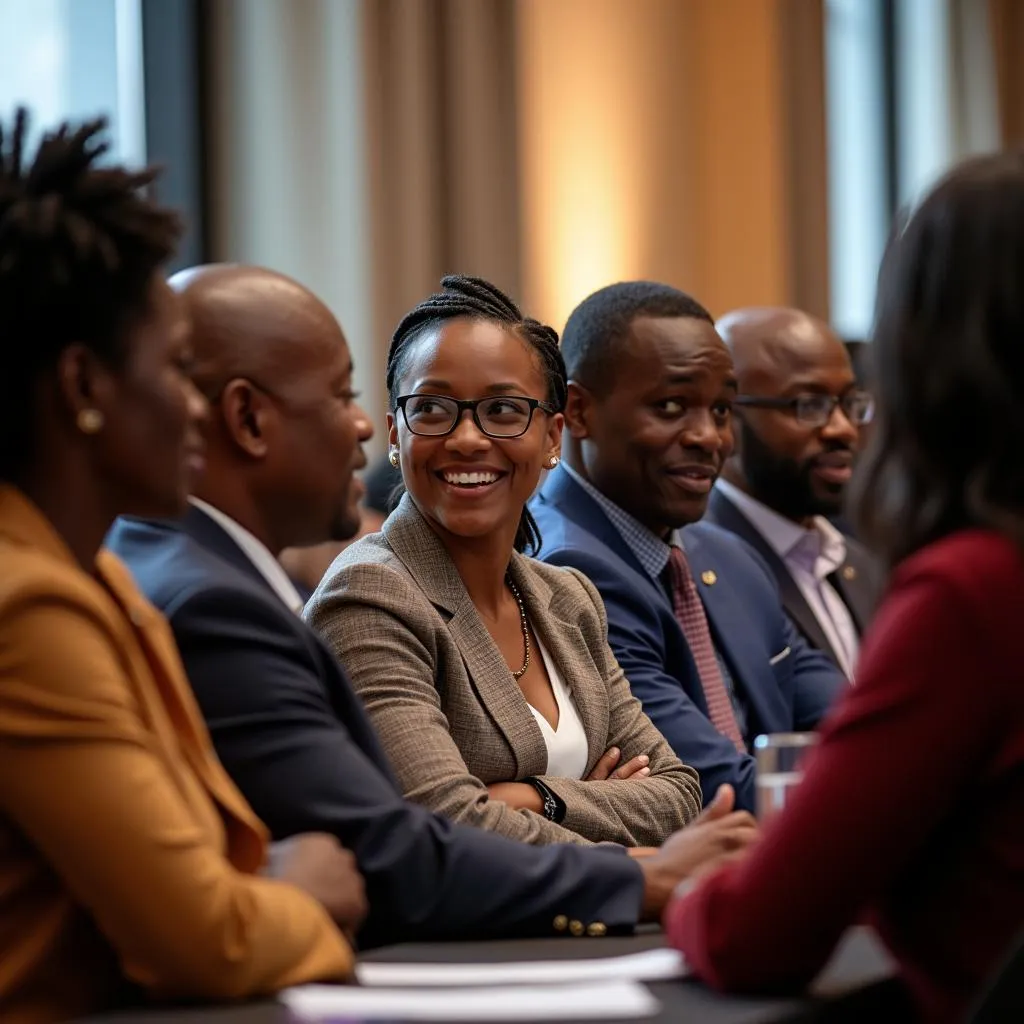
[567, 745]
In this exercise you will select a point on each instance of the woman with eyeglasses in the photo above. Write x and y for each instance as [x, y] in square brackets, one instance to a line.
[911, 812]
[487, 674]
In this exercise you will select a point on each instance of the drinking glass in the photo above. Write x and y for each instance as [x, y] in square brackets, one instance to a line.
[779, 759]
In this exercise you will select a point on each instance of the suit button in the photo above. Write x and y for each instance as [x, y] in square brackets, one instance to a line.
[576, 927]
[560, 923]
[597, 929]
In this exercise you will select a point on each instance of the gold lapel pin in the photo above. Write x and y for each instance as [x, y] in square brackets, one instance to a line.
[849, 573]
[709, 577]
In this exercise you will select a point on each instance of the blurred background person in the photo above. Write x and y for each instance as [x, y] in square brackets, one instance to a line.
[306, 566]
[799, 413]
[128, 860]
[910, 809]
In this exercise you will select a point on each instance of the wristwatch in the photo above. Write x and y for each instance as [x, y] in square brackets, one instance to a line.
[554, 808]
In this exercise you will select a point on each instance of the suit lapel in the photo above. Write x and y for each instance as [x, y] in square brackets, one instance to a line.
[423, 554]
[734, 638]
[562, 492]
[727, 515]
[554, 621]
[211, 535]
[856, 582]
[497, 691]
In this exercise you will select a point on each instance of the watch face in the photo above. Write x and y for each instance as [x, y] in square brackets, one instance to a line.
[548, 801]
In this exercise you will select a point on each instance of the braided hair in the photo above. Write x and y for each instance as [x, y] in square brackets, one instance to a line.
[476, 299]
[79, 245]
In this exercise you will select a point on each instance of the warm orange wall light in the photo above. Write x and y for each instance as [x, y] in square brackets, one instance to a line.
[653, 143]
[581, 178]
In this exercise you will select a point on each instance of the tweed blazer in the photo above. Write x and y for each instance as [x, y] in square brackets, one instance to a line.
[451, 717]
[126, 852]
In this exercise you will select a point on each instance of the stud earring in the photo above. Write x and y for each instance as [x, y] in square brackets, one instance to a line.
[89, 421]
[393, 456]
[553, 461]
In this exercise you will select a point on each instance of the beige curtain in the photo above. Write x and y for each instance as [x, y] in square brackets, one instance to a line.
[287, 177]
[681, 140]
[441, 147]
[367, 147]
[974, 78]
[802, 46]
[1006, 19]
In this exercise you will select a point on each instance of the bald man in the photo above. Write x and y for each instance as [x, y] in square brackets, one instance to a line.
[283, 442]
[798, 416]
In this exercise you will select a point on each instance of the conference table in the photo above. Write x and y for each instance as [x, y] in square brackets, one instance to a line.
[857, 984]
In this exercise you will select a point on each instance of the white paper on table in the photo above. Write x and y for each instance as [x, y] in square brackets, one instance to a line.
[650, 965]
[595, 1000]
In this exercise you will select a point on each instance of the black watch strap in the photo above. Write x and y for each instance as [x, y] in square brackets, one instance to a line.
[554, 806]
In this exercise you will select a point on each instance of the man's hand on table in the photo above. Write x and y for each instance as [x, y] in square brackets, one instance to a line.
[718, 835]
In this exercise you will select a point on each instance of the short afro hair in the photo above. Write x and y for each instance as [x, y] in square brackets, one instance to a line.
[601, 322]
[79, 245]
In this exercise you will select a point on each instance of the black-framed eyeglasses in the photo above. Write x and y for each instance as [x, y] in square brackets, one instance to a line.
[815, 410]
[495, 416]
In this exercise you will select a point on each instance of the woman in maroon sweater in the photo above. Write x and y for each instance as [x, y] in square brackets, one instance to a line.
[911, 813]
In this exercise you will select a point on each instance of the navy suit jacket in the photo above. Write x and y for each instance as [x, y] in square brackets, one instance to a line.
[784, 683]
[293, 735]
[859, 581]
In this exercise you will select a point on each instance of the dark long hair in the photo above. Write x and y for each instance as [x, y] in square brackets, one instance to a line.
[948, 366]
[476, 299]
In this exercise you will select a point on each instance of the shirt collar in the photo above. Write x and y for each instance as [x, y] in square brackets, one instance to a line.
[650, 550]
[782, 534]
[257, 552]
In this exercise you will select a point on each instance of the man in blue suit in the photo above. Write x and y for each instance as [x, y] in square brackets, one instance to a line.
[648, 426]
[284, 441]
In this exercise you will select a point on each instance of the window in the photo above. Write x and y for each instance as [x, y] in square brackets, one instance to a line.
[923, 96]
[910, 91]
[76, 59]
[859, 161]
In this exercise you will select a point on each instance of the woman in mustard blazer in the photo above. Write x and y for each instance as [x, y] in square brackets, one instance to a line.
[487, 674]
[128, 860]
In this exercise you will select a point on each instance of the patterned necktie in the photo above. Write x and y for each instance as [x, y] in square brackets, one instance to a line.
[690, 615]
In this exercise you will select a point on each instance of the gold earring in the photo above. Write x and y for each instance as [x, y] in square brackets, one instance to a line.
[89, 421]
[393, 457]
[553, 461]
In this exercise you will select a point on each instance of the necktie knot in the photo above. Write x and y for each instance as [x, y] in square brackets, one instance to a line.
[682, 577]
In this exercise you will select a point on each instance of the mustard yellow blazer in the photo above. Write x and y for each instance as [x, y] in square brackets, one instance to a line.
[127, 856]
